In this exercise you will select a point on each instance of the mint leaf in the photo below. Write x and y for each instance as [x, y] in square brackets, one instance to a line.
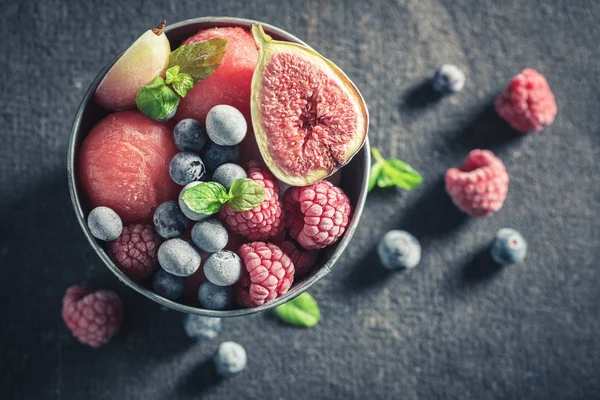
[171, 74]
[302, 311]
[374, 175]
[156, 100]
[245, 194]
[392, 172]
[199, 60]
[206, 198]
[182, 84]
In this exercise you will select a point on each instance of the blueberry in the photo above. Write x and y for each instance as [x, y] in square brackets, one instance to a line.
[223, 268]
[168, 117]
[168, 285]
[227, 173]
[225, 125]
[448, 79]
[508, 247]
[104, 224]
[215, 297]
[194, 216]
[215, 155]
[186, 167]
[178, 257]
[199, 327]
[189, 135]
[399, 249]
[210, 235]
[169, 220]
[230, 359]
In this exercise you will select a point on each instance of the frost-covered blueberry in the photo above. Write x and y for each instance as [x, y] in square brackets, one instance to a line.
[230, 359]
[508, 247]
[215, 155]
[168, 285]
[178, 257]
[226, 125]
[169, 221]
[448, 79]
[189, 135]
[227, 173]
[399, 249]
[104, 224]
[215, 297]
[199, 327]
[194, 216]
[210, 235]
[223, 268]
[186, 167]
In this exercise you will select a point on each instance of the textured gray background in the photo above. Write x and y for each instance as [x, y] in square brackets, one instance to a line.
[455, 327]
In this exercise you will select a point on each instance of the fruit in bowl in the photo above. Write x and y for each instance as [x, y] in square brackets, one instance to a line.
[223, 159]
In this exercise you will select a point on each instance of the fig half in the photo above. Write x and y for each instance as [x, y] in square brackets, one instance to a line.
[308, 118]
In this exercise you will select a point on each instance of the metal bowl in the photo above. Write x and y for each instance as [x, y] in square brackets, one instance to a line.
[354, 182]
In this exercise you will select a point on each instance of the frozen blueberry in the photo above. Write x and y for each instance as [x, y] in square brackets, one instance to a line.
[104, 224]
[215, 297]
[399, 249]
[230, 359]
[508, 247]
[210, 235]
[227, 173]
[189, 135]
[194, 216]
[448, 79]
[199, 327]
[178, 257]
[168, 285]
[223, 268]
[215, 155]
[225, 125]
[186, 167]
[169, 220]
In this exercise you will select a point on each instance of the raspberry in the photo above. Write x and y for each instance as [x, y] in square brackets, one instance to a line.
[134, 252]
[480, 185]
[527, 103]
[317, 214]
[268, 272]
[93, 318]
[263, 221]
[302, 259]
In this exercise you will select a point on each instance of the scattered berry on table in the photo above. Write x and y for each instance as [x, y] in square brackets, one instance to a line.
[186, 167]
[135, 251]
[169, 220]
[527, 103]
[508, 247]
[225, 125]
[178, 257]
[215, 155]
[215, 297]
[93, 317]
[398, 250]
[480, 185]
[200, 328]
[448, 79]
[230, 359]
[194, 216]
[210, 235]
[227, 173]
[267, 272]
[263, 221]
[316, 215]
[168, 285]
[223, 268]
[104, 223]
[189, 135]
[302, 259]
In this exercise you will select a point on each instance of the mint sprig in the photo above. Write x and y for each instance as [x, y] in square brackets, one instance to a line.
[157, 100]
[199, 60]
[302, 311]
[392, 172]
[181, 82]
[208, 197]
[245, 194]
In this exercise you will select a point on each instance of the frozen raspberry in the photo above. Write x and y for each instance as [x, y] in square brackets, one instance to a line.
[527, 103]
[302, 259]
[480, 185]
[93, 318]
[134, 252]
[317, 214]
[268, 272]
[263, 221]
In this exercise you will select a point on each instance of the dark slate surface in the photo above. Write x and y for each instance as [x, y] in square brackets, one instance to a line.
[453, 328]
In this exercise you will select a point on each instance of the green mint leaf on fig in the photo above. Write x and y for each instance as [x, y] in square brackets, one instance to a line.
[181, 82]
[392, 172]
[302, 311]
[199, 60]
[245, 194]
[206, 198]
[157, 100]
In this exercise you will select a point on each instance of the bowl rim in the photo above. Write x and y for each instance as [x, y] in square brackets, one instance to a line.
[78, 209]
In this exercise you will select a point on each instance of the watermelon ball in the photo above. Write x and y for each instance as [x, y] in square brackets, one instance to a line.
[186, 167]
[169, 220]
[194, 216]
[214, 155]
[105, 224]
[189, 135]
[227, 173]
[225, 125]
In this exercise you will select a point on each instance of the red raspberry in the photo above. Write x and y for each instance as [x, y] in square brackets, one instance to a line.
[480, 185]
[317, 214]
[134, 252]
[268, 272]
[302, 259]
[527, 103]
[263, 221]
[93, 318]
